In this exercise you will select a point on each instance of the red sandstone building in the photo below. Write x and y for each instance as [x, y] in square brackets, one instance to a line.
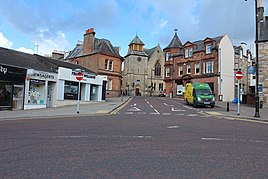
[210, 60]
[101, 57]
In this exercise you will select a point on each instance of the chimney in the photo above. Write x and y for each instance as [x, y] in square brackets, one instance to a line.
[89, 41]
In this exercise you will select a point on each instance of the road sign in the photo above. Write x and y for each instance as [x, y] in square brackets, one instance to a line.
[79, 76]
[239, 75]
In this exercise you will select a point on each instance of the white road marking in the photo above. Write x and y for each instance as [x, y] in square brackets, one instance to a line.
[173, 127]
[239, 140]
[128, 112]
[156, 111]
[192, 115]
[134, 109]
[166, 114]
[141, 112]
[153, 113]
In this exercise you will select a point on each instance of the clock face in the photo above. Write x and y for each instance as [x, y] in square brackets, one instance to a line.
[139, 59]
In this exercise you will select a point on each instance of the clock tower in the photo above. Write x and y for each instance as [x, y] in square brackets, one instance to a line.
[135, 75]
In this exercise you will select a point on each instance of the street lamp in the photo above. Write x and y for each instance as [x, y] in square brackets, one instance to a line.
[257, 104]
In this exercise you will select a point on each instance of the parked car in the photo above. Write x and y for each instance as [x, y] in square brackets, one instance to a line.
[162, 94]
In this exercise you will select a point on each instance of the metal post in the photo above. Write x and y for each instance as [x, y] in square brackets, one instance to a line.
[238, 97]
[78, 101]
[257, 105]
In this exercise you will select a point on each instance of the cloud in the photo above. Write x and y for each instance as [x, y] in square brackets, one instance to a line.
[4, 42]
[25, 50]
[46, 44]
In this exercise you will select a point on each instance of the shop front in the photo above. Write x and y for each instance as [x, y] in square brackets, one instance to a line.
[11, 87]
[40, 89]
[68, 87]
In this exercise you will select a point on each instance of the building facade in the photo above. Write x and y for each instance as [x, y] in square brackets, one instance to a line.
[33, 81]
[101, 57]
[210, 60]
[143, 73]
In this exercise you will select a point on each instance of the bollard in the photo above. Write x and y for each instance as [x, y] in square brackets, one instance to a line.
[261, 104]
[227, 106]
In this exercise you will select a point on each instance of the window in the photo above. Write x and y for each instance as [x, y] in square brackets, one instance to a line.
[167, 56]
[111, 65]
[188, 69]
[197, 68]
[70, 90]
[161, 87]
[209, 67]
[186, 53]
[109, 85]
[167, 72]
[108, 65]
[191, 52]
[208, 48]
[180, 70]
[157, 69]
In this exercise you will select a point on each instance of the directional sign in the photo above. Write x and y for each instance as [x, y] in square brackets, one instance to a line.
[79, 76]
[239, 75]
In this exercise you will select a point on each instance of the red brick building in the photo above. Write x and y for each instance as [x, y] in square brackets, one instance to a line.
[101, 57]
[210, 60]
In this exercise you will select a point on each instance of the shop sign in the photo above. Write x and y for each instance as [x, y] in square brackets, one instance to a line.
[3, 70]
[12, 73]
[40, 74]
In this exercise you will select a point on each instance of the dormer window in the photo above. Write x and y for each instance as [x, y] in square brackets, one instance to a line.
[208, 48]
[188, 52]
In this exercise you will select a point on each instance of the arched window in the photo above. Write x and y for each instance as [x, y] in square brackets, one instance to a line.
[157, 71]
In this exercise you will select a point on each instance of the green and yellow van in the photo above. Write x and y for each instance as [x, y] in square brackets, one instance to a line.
[199, 94]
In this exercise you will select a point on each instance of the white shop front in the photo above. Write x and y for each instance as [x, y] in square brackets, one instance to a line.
[67, 87]
[40, 89]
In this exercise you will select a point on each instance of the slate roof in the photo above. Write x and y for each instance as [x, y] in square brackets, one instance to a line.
[200, 46]
[175, 42]
[36, 62]
[102, 46]
[149, 52]
[136, 40]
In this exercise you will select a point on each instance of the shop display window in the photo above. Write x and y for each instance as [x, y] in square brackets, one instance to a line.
[36, 92]
[5, 94]
[70, 90]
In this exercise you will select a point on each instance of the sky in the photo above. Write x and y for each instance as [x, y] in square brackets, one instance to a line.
[42, 26]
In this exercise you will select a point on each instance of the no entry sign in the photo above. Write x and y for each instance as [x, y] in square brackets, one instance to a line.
[79, 76]
[239, 75]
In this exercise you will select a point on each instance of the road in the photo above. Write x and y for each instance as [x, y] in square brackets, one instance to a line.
[149, 137]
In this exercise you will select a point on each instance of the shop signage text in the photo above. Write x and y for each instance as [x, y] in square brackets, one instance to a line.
[43, 75]
[3, 70]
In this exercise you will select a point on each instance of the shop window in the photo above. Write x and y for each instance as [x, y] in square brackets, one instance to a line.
[37, 92]
[5, 95]
[71, 90]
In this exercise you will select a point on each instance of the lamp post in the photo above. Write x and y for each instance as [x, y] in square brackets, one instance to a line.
[151, 82]
[257, 104]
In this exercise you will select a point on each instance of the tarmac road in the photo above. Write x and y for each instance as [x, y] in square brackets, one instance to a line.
[177, 142]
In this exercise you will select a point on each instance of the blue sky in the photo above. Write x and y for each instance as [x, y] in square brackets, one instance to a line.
[59, 24]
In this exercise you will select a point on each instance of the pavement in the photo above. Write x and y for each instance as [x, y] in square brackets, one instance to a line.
[111, 105]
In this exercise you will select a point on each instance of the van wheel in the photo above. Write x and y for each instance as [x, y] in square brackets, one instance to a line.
[194, 104]
[212, 106]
